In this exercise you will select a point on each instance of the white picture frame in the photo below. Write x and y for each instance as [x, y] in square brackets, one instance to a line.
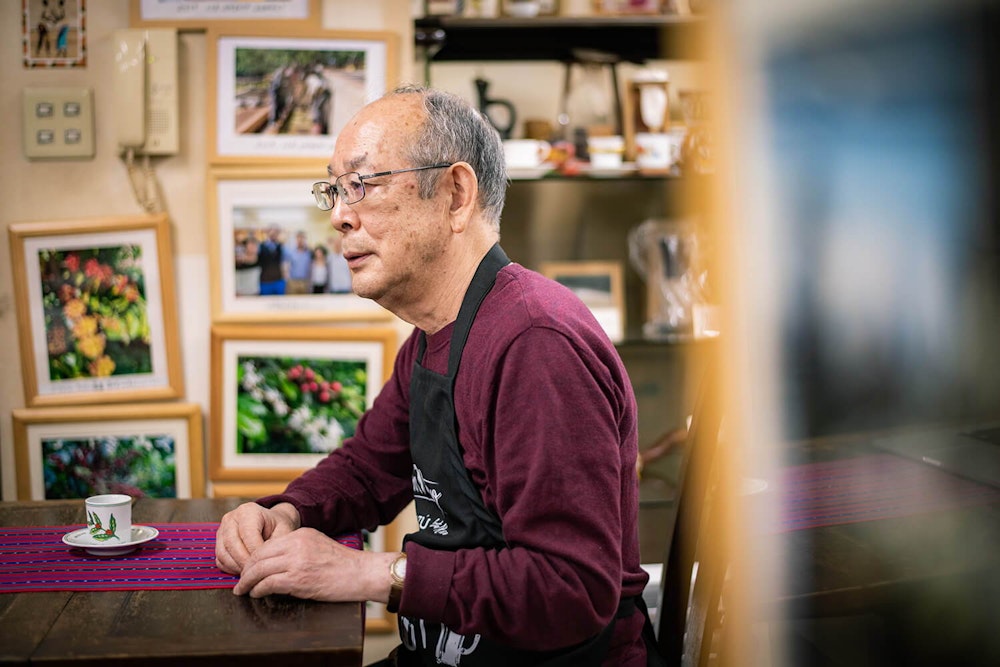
[243, 205]
[245, 90]
[198, 14]
[249, 366]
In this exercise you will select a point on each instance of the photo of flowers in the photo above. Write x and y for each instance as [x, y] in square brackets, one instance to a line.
[286, 94]
[285, 397]
[135, 464]
[143, 450]
[95, 310]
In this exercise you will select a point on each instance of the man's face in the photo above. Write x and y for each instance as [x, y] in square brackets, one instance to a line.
[392, 237]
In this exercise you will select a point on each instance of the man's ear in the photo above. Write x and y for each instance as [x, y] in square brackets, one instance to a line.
[464, 194]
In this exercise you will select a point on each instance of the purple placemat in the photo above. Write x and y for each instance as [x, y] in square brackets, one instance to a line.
[867, 488]
[181, 557]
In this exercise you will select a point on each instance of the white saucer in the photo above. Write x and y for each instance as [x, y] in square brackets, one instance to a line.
[538, 171]
[81, 538]
[627, 169]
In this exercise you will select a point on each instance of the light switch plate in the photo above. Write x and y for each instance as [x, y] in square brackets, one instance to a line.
[58, 123]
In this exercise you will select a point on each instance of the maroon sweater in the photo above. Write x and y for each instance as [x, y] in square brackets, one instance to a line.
[547, 424]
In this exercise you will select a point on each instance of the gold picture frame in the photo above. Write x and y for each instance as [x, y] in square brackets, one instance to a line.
[244, 206]
[147, 448]
[253, 424]
[96, 310]
[280, 96]
[188, 16]
[600, 285]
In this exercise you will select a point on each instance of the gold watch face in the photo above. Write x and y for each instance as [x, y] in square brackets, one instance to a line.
[398, 568]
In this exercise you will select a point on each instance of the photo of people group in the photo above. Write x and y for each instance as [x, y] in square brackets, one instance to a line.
[287, 250]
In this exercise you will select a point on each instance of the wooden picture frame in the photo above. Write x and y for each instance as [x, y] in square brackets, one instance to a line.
[96, 311]
[283, 397]
[244, 206]
[152, 449]
[281, 96]
[54, 33]
[189, 16]
[600, 285]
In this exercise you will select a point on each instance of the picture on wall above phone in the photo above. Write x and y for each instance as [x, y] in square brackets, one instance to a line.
[53, 33]
[288, 95]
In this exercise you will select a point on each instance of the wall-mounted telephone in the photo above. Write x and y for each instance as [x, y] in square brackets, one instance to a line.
[145, 89]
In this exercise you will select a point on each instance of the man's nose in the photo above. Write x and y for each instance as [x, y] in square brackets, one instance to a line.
[342, 216]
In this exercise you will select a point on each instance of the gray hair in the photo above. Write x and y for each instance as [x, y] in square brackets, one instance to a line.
[455, 131]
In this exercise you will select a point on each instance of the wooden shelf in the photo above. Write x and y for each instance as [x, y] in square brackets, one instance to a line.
[632, 38]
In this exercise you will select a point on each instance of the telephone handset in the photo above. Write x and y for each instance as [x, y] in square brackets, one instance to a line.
[145, 89]
[146, 109]
[130, 89]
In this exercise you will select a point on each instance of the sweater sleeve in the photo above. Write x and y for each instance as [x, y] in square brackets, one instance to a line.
[547, 445]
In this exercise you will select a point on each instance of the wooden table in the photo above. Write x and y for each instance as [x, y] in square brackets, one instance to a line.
[927, 584]
[191, 627]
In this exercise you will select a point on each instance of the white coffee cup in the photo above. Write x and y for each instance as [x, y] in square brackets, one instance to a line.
[653, 151]
[525, 152]
[606, 152]
[109, 519]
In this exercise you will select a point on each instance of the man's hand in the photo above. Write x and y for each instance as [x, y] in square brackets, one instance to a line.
[307, 564]
[243, 530]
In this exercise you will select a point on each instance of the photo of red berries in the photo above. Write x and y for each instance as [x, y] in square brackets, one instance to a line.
[297, 405]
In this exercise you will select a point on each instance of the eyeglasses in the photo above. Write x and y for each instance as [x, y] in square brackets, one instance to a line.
[350, 187]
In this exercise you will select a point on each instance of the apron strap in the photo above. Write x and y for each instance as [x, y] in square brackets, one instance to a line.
[482, 283]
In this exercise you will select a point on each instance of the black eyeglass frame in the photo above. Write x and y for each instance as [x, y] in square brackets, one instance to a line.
[321, 189]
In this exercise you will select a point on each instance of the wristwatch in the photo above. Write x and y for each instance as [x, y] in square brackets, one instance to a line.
[397, 570]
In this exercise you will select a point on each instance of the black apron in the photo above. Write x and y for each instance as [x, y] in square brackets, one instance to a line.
[451, 514]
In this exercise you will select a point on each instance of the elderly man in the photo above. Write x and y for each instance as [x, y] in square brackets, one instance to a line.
[509, 419]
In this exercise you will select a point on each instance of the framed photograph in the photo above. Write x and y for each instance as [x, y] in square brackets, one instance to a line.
[53, 33]
[148, 449]
[96, 313]
[284, 397]
[600, 285]
[274, 254]
[282, 97]
[195, 15]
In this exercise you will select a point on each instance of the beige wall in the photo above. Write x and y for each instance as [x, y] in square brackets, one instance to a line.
[99, 187]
